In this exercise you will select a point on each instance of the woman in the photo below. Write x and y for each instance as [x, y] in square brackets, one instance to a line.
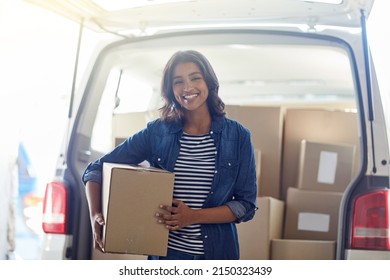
[212, 158]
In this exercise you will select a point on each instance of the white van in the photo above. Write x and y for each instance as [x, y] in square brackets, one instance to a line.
[299, 74]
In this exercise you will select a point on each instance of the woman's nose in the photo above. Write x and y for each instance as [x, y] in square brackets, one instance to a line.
[188, 86]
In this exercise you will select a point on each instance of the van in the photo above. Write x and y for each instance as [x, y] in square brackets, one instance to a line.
[299, 74]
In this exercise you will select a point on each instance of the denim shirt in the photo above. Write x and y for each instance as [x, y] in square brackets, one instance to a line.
[234, 184]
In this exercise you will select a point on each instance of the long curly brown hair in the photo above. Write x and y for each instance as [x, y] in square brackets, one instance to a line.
[171, 110]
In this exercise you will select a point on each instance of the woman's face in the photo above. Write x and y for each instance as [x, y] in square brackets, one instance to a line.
[189, 87]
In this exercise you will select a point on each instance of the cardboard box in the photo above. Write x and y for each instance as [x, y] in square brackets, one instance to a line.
[255, 235]
[290, 249]
[131, 196]
[266, 126]
[311, 215]
[325, 166]
[327, 126]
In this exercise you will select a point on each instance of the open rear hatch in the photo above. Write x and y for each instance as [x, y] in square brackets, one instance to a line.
[145, 17]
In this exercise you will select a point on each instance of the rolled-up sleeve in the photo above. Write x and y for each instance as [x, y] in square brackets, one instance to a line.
[242, 214]
[92, 175]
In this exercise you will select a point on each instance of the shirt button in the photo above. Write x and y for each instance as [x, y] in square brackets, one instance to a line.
[205, 236]
[211, 132]
[159, 159]
[229, 164]
[216, 171]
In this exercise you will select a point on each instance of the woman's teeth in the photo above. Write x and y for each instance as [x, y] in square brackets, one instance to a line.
[188, 97]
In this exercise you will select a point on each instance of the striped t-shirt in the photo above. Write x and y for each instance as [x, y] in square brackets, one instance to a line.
[194, 173]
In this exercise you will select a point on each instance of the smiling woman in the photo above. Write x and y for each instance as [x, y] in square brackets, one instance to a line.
[205, 150]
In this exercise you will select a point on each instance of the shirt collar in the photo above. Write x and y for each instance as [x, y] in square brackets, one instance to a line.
[216, 125]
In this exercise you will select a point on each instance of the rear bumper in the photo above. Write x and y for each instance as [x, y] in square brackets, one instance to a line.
[367, 255]
[54, 246]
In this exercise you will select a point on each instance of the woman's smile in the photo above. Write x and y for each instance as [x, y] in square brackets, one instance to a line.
[189, 97]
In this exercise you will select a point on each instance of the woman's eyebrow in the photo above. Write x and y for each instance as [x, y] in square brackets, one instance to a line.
[191, 74]
[195, 73]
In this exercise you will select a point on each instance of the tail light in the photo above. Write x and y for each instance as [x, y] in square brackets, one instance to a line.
[54, 208]
[370, 229]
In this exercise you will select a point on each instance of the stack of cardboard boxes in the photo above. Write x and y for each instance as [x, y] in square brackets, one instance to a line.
[308, 157]
[312, 207]
[319, 161]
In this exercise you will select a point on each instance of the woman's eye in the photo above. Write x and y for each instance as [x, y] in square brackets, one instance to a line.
[177, 82]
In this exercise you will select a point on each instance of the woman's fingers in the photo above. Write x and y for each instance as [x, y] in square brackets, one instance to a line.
[98, 224]
[179, 215]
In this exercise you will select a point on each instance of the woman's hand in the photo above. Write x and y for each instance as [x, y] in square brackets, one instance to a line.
[180, 215]
[97, 222]
[93, 190]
